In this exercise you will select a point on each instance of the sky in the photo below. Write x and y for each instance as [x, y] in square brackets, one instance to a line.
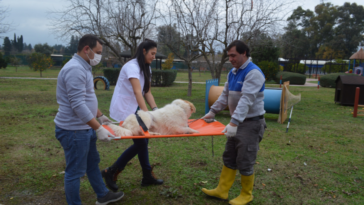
[31, 18]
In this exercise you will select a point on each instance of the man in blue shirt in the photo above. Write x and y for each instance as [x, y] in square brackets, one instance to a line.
[243, 93]
[76, 127]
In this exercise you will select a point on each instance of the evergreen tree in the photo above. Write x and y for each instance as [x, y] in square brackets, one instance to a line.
[44, 49]
[72, 46]
[30, 47]
[331, 28]
[3, 62]
[265, 49]
[14, 42]
[7, 46]
[19, 44]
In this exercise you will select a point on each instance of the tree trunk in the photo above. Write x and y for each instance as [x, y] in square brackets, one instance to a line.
[189, 92]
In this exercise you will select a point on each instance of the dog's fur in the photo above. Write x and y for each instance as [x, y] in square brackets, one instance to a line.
[169, 120]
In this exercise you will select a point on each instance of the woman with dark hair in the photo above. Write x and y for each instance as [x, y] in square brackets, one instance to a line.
[133, 83]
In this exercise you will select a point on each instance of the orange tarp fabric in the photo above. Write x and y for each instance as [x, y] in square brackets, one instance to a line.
[204, 128]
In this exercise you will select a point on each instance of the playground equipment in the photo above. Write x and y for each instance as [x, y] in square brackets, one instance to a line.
[356, 103]
[357, 56]
[276, 100]
[104, 81]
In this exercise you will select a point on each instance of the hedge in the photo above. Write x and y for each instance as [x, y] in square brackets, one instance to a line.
[294, 67]
[293, 78]
[112, 75]
[329, 79]
[163, 77]
[159, 77]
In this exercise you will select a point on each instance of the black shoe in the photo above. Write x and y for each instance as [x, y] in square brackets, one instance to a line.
[149, 178]
[110, 197]
[111, 174]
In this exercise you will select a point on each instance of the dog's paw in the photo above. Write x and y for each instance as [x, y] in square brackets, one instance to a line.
[154, 133]
[120, 131]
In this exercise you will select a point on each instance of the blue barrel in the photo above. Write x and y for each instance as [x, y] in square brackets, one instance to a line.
[272, 100]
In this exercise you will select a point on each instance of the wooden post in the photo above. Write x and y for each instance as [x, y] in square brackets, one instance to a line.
[356, 102]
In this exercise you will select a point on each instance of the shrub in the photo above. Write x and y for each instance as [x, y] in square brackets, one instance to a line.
[329, 79]
[168, 63]
[112, 75]
[163, 77]
[39, 61]
[65, 61]
[270, 69]
[296, 68]
[334, 68]
[293, 78]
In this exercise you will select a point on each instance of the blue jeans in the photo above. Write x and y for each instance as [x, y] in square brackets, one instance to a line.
[140, 148]
[81, 157]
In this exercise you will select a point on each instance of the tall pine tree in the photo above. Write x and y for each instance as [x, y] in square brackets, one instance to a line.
[7, 46]
[20, 44]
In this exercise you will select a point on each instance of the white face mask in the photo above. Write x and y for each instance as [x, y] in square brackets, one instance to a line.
[96, 60]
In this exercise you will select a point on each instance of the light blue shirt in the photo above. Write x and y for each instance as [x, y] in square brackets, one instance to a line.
[75, 95]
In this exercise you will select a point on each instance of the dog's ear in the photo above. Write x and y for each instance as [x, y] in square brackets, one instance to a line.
[192, 107]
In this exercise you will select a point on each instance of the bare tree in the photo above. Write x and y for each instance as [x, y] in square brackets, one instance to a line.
[192, 19]
[124, 21]
[239, 20]
[4, 25]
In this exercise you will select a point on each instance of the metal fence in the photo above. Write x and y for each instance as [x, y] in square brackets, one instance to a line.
[313, 66]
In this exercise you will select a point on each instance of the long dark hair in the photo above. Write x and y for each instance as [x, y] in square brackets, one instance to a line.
[147, 44]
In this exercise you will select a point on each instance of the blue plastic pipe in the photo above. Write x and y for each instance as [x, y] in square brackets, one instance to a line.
[272, 100]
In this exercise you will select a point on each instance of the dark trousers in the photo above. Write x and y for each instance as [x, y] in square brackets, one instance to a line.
[242, 149]
[140, 148]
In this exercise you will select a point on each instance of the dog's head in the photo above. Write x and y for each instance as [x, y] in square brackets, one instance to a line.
[187, 106]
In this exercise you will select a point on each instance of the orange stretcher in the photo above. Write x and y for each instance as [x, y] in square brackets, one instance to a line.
[204, 128]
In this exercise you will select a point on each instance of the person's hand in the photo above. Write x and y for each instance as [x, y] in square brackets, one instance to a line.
[104, 135]
[230, 130]
[104, 120]
[209, 116]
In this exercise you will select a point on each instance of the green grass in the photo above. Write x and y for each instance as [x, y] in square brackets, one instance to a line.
[198, 76]
[322, 134]
[25, 71]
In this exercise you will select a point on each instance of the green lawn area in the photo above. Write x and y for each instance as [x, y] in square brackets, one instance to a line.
[319, 161]
[25, 71]
[199, 76]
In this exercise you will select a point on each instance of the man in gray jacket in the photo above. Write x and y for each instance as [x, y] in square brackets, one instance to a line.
[243, 93]
[76, 127]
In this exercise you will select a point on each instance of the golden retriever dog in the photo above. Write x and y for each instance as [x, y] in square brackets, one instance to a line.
[168, 120]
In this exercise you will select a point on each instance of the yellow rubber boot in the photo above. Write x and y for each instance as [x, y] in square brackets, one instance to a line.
[227, 178]
[246, 195]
